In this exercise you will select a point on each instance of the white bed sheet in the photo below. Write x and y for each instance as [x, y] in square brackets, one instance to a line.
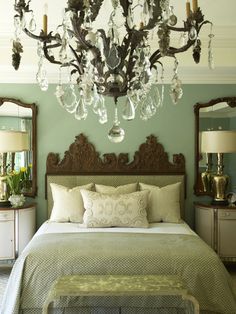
[163, 227]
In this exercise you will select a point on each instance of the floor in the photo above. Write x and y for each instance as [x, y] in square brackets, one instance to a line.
[4, 275]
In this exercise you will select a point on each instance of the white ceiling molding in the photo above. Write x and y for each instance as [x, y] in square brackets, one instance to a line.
[188, 75]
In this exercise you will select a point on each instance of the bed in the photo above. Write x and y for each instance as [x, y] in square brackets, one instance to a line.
[102, 246]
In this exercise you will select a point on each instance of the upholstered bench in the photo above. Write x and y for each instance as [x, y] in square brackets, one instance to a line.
[120, 285]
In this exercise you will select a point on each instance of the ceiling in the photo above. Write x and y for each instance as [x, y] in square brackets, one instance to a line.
[224, 43]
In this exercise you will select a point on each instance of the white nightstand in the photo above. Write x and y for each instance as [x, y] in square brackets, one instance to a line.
[216, 225]
[17, 227]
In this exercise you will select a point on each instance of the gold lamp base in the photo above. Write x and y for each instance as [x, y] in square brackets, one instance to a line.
[219, 185]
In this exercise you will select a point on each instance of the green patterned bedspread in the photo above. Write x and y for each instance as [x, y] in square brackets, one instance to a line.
[49, 256]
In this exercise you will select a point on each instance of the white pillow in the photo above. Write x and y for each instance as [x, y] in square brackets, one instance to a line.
[121, 189]
[164, 203]
[116, 210]
[68, 203]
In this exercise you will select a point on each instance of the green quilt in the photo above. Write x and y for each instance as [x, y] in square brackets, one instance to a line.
[50, 256]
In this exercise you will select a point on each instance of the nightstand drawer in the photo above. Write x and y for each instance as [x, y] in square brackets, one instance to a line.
[227, 214]
[6, 215]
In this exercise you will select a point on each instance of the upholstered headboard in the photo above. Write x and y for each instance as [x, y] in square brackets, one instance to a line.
[82, 164]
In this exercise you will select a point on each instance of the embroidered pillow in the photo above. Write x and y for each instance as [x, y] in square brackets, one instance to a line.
[163, 203]
[68, 203]
[121, 189]
[116, 210]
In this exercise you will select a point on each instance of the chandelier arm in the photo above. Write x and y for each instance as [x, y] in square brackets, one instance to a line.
[78, 34]
[203, 23]
[52, 46]
[190, 43]
[178, 29]
[96, 52]
[125, 49]
[130, 66]
[155, 57]
[47, 56]
[37, 37]
[172, 50]
[52, 60]
[78, 67]
[95, 8]
[106, 41]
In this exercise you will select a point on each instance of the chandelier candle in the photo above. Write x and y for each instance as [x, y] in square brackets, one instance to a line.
[45, 19]
[188, 9]
[115, 49]
[195, 6]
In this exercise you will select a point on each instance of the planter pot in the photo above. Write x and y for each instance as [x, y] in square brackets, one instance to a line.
[17, 200]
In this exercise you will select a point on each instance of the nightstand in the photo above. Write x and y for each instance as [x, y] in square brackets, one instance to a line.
[216, 225]
[17, 227]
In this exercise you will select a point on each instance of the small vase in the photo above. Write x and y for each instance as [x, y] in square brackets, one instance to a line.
[17, 200]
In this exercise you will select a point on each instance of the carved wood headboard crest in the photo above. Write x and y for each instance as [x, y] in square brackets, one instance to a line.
[82, 158]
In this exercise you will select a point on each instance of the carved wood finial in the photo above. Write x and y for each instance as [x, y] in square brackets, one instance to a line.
[82, 157]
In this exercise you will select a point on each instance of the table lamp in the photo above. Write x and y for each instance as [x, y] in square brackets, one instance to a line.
[219, 142]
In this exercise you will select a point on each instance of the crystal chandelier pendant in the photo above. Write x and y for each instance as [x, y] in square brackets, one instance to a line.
[87, 95]
[157, 96]
[41, 75]
[81, 111]
[70, 99]
[129, 110]
[32, 24]
[96, 99]
[116, 133]
[172, 19]
[17, 25]
[192, 33]
[23, 21]
[210, 53]
[59, 94]
[148, 109]
[102, 113]
[176, 91]
[44, 84]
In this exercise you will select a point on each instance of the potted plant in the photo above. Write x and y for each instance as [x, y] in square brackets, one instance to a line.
[16, 182]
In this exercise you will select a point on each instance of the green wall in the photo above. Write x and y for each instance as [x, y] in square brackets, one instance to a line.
[174, 126]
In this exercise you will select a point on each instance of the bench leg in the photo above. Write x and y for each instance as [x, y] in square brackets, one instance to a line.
[45, 306]
[193, 301]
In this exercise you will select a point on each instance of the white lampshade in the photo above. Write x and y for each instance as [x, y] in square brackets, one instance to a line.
[218, 141]
[13, 141]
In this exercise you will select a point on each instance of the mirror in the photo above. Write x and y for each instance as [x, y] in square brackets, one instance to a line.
[18, 116]
[217, 114]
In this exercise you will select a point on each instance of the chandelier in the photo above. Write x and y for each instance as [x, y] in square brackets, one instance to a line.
[114, 61]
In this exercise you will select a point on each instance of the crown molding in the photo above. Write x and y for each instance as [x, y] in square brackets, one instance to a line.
[187, 74]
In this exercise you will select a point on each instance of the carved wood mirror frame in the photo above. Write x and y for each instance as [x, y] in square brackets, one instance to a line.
[4, 100]
[231, 101]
